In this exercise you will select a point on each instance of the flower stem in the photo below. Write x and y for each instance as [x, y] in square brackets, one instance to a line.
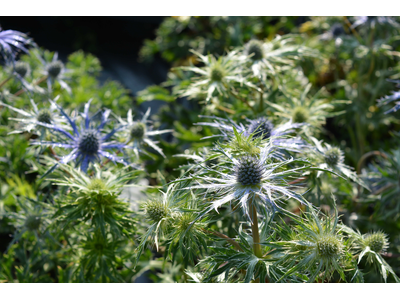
[236, 95]
[5, 81]
[21, 91]
[255, 231]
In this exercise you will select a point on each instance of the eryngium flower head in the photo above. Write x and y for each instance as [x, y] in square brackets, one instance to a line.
[12, 41]
[215, 77]
[22, 68]
[86, 145]
[31, 120]
[260, 127]
[333, 156]
[249, 179]
[255, 49]
[139, 133]
[315, 245]
[328, 246]
[376, 241]
[332, 159]
[249, 171]
[156, 210]
[54, 68]
[55, 71]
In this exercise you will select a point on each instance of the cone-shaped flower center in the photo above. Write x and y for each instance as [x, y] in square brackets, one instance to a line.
[22, 68]
[376, 241]
[260, 127]
[32, 222]
[300, 115]
[249, 171]
[138, 130]
[332, 156]
[155, 211]
[328, 246]
[217, 73]
[89, 142]
[254, 47]
[44, 116]
[54, 68]
[97, 184]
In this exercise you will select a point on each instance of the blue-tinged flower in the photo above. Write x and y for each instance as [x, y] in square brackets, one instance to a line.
[29, 119]
[251, 179]
[260, 128]
[12, 41]
[55, 71]
[389, 98]
[372, 21]
[89, 143]
[138, 132]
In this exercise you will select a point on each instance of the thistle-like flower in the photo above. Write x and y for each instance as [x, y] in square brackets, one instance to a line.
[332, 159]
[34, 217]
[12, 41]
[312, 111]
[96, 198]
[86, 145]
[55, 71]
[30, 119]
[316, 245]
[138, 132]
[269, 57]
[250, 179]
[394, 97]
[259, 128]
[217, 75]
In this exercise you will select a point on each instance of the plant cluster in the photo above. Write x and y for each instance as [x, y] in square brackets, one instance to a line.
[271, 160]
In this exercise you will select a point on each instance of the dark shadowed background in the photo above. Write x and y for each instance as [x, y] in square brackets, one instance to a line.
[114, 40]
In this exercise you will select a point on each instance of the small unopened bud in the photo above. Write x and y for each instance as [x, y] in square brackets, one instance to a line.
[255, 48]
[138, 130]
[22, 68]
[54, 68]
[377, 241]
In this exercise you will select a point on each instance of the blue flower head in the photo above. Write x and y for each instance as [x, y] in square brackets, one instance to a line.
[88, 144]
[260, 127]
[12, 41]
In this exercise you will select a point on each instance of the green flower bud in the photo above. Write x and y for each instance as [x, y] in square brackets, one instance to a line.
[138, 130]
[377, 241]
[156, 211]
[300, 114]
[328, 247]
[32, 222]
[255, 48]
[332, 156]
[22, 68]
[44, 116]
[54, 68]
[217, 73]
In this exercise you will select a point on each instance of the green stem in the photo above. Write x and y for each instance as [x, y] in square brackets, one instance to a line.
[5, 81]
[255, 230]
[242, 99]
[261, 102]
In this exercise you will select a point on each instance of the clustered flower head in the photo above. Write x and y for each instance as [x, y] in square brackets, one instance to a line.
[86, 145]
[260, 128]
[32, 120]
[138, 133]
